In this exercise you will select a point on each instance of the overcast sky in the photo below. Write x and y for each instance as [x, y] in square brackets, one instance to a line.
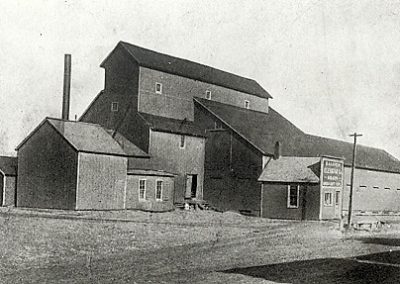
[333, 67]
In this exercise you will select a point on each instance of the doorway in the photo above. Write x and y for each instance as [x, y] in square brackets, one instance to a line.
[191, 186]
[1, 189]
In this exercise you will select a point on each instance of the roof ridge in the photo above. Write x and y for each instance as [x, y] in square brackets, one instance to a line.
[73, 121]
[184, 59]
[343, 141]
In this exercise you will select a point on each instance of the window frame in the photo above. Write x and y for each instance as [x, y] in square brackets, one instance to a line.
[337, 197]
[161, 87]
[297, 199]
[145, 189]
[182, 141]
[112, 106]
[246, 104]
[331, 199]
[208, 95]
[161, 190]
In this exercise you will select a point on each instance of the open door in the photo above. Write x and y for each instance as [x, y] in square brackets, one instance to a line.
[191, 186]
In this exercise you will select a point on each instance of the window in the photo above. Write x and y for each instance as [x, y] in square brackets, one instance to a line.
[182, 142]
[158, 88]
[142, 189]
[376, 187]
[337, 198]
[218, 125]
[247, 104]
[388, 188]
[293, 196]
[208, 95]
[159, 188]
[328, 199]
[114, 106]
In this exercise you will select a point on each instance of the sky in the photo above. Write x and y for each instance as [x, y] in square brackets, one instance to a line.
[332, 67]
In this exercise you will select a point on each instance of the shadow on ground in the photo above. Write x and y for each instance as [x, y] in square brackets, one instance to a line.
[363, 269]
[382, 241]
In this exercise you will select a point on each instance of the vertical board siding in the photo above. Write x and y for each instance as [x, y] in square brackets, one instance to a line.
[46, 171]
[167, 155]
[150, 204]
[101, 182]
[176, 100]
[121, 86]
[10, 183]
[231, 170]
[369, 198]
[275, 201]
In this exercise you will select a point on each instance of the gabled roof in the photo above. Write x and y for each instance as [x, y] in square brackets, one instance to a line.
[171, 125]
[291, 169]
[189, 69]
[129, 148]
[86, 137]
[8, 165]
[260, 129]
[263, 130]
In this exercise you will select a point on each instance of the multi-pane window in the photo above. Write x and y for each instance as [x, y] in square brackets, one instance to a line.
[328, 198]
[293, 196]
[182, 142]
[142, 189]
[247, 104]
[337, 198]
[114, 106]
[159, 188]
[208, 95]
[158, 88]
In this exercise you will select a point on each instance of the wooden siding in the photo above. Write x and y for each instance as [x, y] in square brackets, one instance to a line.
[232, 167]
[10, 183]
[150, 203]
[176, 100]
[369, 198]
[121, 86]
[101, 182]
[274, 202]
[47, 167]
[166, 154]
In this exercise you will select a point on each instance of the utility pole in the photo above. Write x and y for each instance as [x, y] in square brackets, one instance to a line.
[353, 163]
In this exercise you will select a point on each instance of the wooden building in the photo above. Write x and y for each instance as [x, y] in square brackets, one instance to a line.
[152, 94]
[175, 131]
[73, 165]
[241, 143]
[8, 180]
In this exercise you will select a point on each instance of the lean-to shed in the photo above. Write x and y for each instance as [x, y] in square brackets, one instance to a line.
[8, 180]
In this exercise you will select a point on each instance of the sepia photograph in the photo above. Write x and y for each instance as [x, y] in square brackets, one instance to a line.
[188, 141]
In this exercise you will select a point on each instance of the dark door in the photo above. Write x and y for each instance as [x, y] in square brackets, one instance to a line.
[191, 186]
[1, 189]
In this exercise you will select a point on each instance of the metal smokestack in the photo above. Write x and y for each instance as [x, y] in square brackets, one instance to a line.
[67, 87]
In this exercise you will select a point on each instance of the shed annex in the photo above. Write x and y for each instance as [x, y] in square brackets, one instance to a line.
[8, 180]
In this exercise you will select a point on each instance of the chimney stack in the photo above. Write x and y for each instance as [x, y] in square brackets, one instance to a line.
[67, 87]
[277, 150]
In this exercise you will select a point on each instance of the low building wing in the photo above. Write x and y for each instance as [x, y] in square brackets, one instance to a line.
[291, 170]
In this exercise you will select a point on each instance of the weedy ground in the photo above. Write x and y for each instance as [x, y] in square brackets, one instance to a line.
[48, 246]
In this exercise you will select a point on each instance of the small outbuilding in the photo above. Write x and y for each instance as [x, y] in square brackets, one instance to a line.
[302, 188]
[8, 180]
[74, 165]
